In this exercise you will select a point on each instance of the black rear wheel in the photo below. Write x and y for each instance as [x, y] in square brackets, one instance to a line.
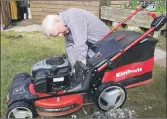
[110, 96]
[21, 110]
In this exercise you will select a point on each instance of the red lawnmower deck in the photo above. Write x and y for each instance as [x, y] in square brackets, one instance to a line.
[122, 59]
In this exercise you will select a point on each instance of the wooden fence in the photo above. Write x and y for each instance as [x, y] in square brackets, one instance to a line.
[40, 9]
[5, 14]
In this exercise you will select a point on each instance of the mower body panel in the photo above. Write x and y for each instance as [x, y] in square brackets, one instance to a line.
[135, 66]
[59, 105]
[20, 89]
[56, 106]
[102, 50]
[23, 90]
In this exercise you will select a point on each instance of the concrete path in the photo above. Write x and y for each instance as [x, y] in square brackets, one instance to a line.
[28, 28]
[160, 57]
[159, 54]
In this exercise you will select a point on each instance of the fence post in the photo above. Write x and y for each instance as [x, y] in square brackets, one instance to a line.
[102, 3]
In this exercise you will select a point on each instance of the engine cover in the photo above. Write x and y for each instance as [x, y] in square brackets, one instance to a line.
[59, 62]
[50, 74]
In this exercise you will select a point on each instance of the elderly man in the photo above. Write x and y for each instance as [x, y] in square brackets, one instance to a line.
[77, 26]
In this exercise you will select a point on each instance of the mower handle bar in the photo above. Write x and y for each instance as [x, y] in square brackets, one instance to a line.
[144, 6]
[153, 15]
[157, 24]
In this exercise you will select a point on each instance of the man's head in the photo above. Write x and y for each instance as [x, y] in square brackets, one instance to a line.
[53, 25]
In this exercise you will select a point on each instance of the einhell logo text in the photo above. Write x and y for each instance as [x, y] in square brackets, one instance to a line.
[128, 72]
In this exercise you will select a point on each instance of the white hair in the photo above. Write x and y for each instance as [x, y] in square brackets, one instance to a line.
[48, 23]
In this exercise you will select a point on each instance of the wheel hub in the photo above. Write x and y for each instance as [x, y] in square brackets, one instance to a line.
[20, 112]
[111, 98]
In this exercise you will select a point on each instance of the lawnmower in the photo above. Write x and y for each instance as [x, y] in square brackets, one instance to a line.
[121, 60]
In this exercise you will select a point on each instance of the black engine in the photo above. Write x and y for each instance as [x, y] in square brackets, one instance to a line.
[51, 75]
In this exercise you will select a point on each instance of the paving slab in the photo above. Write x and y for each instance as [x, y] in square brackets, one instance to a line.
[28, 28]
[159, 54]
[160, 57]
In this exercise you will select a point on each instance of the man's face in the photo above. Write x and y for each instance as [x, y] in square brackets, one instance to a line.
[58, 30]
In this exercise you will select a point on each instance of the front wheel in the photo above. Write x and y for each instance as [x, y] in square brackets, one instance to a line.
[20, 110]
[110, 96]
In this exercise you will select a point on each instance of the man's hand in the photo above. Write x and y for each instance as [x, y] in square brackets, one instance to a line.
[73, 70]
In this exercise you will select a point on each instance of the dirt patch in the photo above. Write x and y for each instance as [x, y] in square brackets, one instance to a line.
[118, 113]
[14, 37]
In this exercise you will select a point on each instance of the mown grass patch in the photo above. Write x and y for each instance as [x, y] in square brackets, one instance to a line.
[149, 101]
[18, 54]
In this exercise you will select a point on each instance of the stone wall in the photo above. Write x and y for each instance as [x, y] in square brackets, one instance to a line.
[116, 14]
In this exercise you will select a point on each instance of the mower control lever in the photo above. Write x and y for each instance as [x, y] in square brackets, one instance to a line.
[144, 6]
[159, 22]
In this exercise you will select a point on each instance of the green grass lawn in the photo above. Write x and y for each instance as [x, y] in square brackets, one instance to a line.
[162, 43]
[19, 54]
